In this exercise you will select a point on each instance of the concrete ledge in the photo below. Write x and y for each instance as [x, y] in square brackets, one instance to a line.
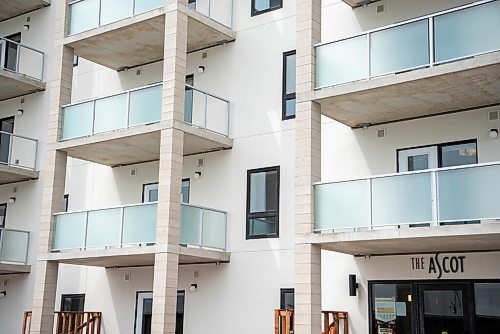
[9, 8]
[197, 140]
[12, 174]
[189, 255]
[14, 85]
[10, 269]
[468, 83]
[477, 237]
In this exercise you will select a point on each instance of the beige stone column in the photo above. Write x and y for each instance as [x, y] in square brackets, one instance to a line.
[307, 171]
[59, 83]
[170, 170]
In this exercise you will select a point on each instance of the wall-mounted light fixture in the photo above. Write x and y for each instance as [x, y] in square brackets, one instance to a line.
[26, 27]
[20, 112]
[353, 285]
[493, 133]
[12, 200]
[197, 175]
[3, 294]
[193, 287]
[201, 69]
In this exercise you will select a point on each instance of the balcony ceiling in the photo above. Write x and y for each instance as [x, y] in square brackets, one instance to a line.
[358, 3]
[415, 240]
[139, 40]
[10, 8]
[461, 85]
[10, 174]
[14, 85]
[9, 269]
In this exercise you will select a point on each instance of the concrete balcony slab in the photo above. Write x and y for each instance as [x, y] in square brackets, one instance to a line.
[190, 255]
[9, 8]
[10, 269]
[14, 85]
[12, 174]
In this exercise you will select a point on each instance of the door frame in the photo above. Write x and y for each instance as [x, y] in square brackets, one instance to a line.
[147, 295]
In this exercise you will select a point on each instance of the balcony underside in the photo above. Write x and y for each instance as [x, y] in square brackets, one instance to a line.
[15, 85]
[135, 256]
[10, 174]
[139, 40]
[461, 85]
[358, 3]
[139, 144]
[9, 8]
[11, 269]
[477, 237]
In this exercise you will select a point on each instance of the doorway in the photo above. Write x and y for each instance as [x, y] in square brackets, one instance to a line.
[188, 102]
[9, 51]
[144, 311]
[6, 128]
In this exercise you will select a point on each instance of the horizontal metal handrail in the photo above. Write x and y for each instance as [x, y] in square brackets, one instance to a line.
[23, 46]
[204, 208]
[209, 14]
[107, 208]
[474, 4]
[209, 94]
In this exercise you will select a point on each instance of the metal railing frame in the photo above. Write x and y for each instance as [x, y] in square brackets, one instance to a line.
[18, 60]
[11, 139]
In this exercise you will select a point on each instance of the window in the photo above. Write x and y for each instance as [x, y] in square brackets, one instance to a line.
[185, 190]
[66, 202]
[287, 299]
[71, 303]
[144, 312]
[264, 6]
[400, 294]
[75, 60]
[263, 203]
[9, 52]
[188, 99]
[150, 192]
[192, 4]
[288, 109]
[3, 214]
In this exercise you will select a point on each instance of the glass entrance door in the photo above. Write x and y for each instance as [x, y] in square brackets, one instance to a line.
[444, 309]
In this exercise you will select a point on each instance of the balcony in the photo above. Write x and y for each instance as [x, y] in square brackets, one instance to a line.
[447, 209]
[18, 155]
[440, 63]
[126, 235]
[121, 34]
[21, 69]
[125, 128]
[14, 251]
[9, 8]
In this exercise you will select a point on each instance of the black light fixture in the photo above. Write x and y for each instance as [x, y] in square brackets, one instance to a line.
[353, 286]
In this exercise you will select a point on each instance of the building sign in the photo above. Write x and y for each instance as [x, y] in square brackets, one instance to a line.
[439, 264]
[385, 309]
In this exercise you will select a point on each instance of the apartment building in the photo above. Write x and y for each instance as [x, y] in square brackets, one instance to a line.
[184, 173]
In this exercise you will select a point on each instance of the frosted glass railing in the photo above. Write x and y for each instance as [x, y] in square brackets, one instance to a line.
[14, 246]
[89, 14]
[114, 227]
[453, 194]
[18, 151]
[120, 111]
[21, 59]
[203, 227]
[422, 42]
[206, 111]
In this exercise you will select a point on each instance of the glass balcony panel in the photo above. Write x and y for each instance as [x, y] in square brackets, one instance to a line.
[30, 63]
[199, 103]
[400, 48]
[467, 32]
[145, 105]
[214, 229]
[217, 115]
[104, 228]
[142, 6]
[342, 61]
[77, 120]
[342, 205]
[115, 10]
[110, 113]
[70, 230]
[139, 224]
[190, 225]
[402, 199]
[14, 246]
[84, 15]
[468, 193]
[23, 152]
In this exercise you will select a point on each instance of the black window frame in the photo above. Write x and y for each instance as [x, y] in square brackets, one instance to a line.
[4, 221]
[72, 295]
[255, 12]
[189, 189]
[144, 190]
[192, 1]
[284, 291]
[66, 202]
[264, 214]
[285, 96]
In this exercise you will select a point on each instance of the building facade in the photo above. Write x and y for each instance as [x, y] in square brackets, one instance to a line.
[191, 166]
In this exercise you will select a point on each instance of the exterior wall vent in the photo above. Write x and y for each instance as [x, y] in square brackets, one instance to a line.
[201, 162]
[381, 8]
[126, 277]
[133, 172]
[380, 133]
[494, 115]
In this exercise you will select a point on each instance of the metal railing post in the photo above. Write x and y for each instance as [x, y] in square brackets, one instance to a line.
[100, 12]
[27, 248]
[370, 201]
[231, 19]
[431, 41]
[18, 57]
[369, 54]
[9, 157]
[128, 110]
[206, 110]
[122, 218]
[225, 231]
[93, 117]
[209, 9]
[2, 232]
[228, 117]
[86, 230]
[435, 198]
[202, 223]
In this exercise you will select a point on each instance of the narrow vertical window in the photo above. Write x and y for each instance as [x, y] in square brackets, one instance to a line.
[150, 192]
[66, 202]
[186, 184]
[263, 203]
[288, 109]
[264, 6]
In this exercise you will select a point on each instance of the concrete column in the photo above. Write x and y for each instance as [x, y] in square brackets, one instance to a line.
[170, 171]
[53, 177]
[307, 171]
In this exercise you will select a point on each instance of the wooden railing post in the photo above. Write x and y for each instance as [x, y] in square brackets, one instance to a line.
[334, 326]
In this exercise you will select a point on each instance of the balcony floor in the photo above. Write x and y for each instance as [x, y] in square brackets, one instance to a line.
[15, 85]
[460, 85]
[11, 174]
[140, 39]
[480, 237]
[10, 269]
[139, 144]
[134, 256]
[9, 8]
